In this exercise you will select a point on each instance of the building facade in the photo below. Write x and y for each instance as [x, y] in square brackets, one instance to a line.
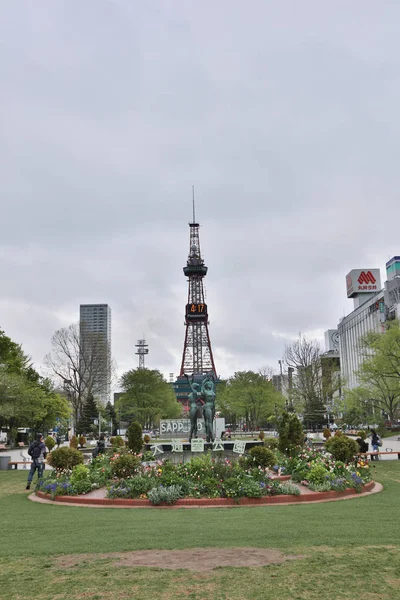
[373, 306]
[95, 343]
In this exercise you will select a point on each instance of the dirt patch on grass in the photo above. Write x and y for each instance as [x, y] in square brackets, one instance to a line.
[194, 559]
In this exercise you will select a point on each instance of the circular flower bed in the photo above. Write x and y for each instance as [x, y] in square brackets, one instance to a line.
[126, 476]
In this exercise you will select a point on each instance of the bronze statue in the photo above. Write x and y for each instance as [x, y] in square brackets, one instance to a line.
[208, 393]
[202, 400]
[195, 402]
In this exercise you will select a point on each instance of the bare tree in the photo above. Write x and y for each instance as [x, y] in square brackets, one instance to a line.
[313, 385]
[78, 360]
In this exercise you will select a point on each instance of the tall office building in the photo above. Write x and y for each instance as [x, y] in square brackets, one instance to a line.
[95, 330]
[373, 306]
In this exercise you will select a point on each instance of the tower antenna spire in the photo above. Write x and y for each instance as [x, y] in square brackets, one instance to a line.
[194, 213]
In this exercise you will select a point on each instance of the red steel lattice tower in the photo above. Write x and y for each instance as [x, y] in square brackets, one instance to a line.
[197, 357]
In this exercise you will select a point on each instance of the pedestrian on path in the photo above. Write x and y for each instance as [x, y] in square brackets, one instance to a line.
[37, 451]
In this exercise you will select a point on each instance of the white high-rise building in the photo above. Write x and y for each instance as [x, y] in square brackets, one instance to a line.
[373, 306]
[96, 319]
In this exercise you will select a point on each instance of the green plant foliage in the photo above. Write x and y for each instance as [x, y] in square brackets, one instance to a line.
[291, 435]
[146, 438]
[262, 456]
[271, 443]
[362, 434]
[50, 443]
[318, 474]
[147, 398]
[81, 440]
[64, 458]
[125, 465]
[251, 396]
[90, 412]
[73, 443]
[80, 479]
[134, 434]
[168, 494]
[342, 448]
[117, 442]
[261, 435]
[130, 488]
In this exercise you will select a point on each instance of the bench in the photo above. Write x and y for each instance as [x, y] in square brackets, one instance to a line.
[21, 444]
[3, 447]
[13, 464]
[378, 454]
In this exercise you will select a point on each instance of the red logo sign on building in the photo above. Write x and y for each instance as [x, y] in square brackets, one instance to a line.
[366, 277]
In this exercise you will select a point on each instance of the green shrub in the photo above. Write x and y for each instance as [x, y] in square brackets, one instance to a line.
[327, 433]
[317, 474]
[80, 479]
[117, 442]
[291, 435]
[135, 441]
[125, 465]
[338, 433]
[50, 443]
[261, 435]
[362, 434]
[342, 448]
[325, 486]
[64, 458]
[262, 456]
[148, 456]
[130, 488]
[146, 438]
[169, 494]
[271, 443]
[73, 442]
[81, 440]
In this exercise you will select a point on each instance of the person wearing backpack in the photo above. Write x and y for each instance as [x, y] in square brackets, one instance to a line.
[37, 451]
[375, 443]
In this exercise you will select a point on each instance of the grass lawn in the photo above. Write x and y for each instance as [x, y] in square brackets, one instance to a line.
[348, 548]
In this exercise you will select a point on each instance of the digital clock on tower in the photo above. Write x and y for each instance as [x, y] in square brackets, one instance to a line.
[196, 311]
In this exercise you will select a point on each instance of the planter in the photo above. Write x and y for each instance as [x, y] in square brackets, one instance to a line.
[210, 502]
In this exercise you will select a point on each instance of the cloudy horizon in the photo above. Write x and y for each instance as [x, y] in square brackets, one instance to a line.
[282, 115]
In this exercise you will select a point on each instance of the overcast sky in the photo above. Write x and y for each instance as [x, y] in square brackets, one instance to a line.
[285, 117]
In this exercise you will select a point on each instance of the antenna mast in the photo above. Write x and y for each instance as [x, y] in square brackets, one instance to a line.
[194, 214]
[142, 350]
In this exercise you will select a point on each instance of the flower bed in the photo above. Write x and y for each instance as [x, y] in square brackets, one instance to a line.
[321, 473]
[204, 478]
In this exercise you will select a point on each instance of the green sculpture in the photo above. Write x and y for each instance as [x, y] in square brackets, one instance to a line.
[202, 403]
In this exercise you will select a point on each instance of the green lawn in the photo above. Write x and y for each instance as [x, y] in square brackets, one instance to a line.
[347, 547]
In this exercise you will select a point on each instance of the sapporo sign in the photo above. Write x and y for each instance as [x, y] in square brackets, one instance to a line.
[363, 281]
[179, 427]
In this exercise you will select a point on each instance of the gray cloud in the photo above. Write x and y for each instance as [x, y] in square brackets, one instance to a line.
[285, 117]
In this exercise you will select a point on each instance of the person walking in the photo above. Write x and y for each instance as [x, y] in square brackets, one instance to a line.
[38, 452]
[375, 443]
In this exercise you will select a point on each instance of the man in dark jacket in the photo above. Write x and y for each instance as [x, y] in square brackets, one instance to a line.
[38, 452]
[101, 446]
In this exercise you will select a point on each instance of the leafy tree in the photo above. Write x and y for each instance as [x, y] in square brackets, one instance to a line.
[90, 412]
[380, 371]
[250, 396]
[146, 398]
[26, 399]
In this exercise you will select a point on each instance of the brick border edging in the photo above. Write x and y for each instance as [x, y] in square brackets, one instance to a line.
[210, 502]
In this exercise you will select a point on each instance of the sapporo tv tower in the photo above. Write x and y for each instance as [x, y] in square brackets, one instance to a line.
[197, 357]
